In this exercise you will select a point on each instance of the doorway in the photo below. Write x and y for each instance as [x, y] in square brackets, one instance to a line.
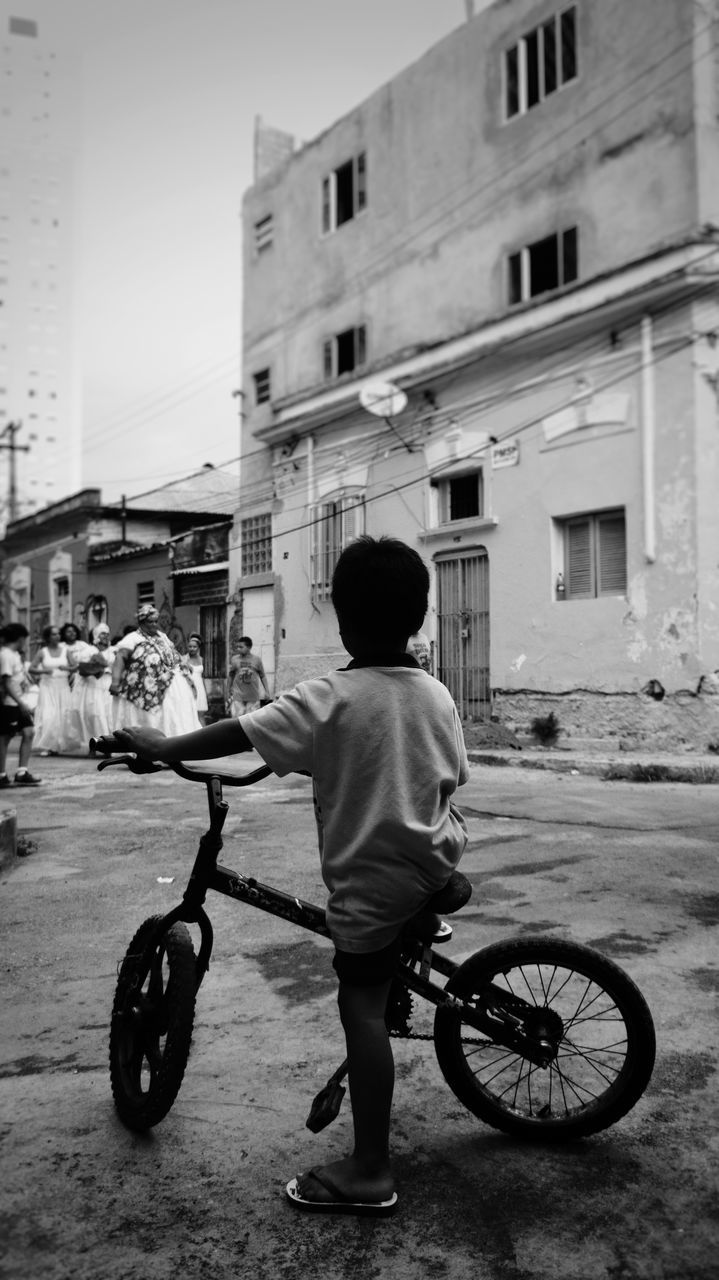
[463, 619]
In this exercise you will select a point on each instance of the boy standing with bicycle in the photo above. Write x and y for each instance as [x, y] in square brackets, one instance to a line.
[384, 745]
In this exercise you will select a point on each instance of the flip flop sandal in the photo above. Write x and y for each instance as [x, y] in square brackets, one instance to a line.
[340, 1203]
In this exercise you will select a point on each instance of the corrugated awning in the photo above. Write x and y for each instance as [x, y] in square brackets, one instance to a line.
[222, 567]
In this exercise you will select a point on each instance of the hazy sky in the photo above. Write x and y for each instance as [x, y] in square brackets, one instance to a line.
[170, 92]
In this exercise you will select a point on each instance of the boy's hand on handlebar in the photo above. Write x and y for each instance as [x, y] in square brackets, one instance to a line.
[147, 743]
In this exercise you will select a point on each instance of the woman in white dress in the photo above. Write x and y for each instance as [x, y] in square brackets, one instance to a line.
[91, 702]
[194, 656]
[51, 668]
[151, 685]
[75, 648]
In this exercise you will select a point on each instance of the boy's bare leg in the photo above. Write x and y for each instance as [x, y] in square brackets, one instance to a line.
[26, 738]
[366, 1175]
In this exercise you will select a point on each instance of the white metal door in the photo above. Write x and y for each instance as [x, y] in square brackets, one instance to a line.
[258, 622]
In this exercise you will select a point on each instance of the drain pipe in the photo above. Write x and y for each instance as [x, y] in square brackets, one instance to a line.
[648, 434]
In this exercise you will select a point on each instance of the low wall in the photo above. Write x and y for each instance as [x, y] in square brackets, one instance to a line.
[628, 721]
[8, 836]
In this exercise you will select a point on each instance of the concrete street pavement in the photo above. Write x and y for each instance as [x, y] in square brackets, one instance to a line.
[629, 868]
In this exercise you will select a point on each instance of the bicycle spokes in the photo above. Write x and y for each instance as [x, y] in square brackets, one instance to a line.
[581, 1025]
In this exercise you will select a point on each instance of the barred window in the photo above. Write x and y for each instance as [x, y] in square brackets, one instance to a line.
[256, 537]
[334, 525]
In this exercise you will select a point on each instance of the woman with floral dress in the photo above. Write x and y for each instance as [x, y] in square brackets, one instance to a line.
[151, 684]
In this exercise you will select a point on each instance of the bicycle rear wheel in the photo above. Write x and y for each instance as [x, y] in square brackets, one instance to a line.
[594, 1016]
[151, 1030]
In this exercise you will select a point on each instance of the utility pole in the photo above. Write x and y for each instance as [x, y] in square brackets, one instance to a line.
[11, 430]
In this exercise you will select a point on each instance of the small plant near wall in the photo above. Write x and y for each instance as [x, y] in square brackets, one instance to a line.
[545, 729]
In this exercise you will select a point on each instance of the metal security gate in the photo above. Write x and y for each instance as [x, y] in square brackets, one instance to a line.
[463, 615]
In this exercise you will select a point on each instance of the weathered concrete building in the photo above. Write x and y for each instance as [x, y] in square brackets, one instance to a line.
[521, 233]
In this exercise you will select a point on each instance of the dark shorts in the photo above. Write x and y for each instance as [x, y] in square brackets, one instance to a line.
[13, 720]
[368, 968]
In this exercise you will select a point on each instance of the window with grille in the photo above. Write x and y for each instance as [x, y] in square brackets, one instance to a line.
[595, 555]
[213, 629]
[334, 525]
[344, 193]
[145, 593]
[256, 539]
[345, 352]
[541, 62]
[261, 381]
[544, 265]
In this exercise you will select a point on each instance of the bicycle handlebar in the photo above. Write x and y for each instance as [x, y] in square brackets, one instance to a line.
[137, 765]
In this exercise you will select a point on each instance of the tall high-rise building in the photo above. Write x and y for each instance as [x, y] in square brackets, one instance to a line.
[39, 385]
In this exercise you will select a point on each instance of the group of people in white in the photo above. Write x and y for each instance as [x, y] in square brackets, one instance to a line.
[85, 689]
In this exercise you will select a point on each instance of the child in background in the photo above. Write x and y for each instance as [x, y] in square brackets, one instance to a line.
[384, 744]
[247, 680]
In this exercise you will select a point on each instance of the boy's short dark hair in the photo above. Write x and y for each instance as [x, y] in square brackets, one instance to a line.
[245, 640]
[14, 631]
[380, 589]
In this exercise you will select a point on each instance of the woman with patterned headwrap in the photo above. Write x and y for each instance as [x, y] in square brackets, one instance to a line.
[151, 684]
[91, 710]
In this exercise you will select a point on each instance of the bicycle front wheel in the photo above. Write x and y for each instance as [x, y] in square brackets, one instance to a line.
[151, 1029]
[594, 1016]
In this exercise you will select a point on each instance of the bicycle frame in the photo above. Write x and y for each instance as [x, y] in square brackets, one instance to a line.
[416, 963]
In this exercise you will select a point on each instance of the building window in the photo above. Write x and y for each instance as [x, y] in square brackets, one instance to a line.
[460, 498]
[264, 233]
[595, 555]
[256, 538]
[22, 27]
[344, 193]
[334, 525]
[545, 265]
[345, 352]
[541, 62]
[261, 380]
[145, 593]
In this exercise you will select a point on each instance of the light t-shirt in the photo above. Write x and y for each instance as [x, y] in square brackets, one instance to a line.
[385, 748]
[12, 667]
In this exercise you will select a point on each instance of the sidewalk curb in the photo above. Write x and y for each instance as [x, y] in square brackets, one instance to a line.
[8, 837]
[647, 769]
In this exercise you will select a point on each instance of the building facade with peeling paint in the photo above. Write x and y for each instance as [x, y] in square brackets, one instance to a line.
[520, 235]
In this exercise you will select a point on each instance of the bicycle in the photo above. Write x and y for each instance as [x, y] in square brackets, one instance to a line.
[539, 1037]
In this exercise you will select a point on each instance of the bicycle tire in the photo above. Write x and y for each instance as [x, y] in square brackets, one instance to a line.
[152, 1019]
[588, 1086]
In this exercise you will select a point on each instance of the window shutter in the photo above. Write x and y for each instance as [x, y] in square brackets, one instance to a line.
[326, 205]
[327, 358]
[512, 77]
[578, 559]
[568, 44]
[612, 555]
[361, 352]
[361, 180]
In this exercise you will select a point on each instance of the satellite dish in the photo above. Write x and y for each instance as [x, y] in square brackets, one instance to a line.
[383, 399]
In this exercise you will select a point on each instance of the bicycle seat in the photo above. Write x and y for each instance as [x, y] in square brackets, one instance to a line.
[452, 896]
[426, 924]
